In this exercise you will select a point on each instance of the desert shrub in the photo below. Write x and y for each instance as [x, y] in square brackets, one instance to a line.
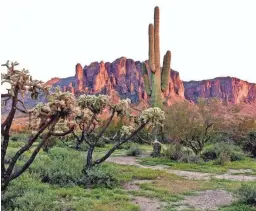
[247, 194]
[223, 158]
[19, 137]
[101, 143]
[224, 149]
[126, 146]
[177, 152]
[134, 150]
[238, 207]
[16, 144]
[192, 125]
[98, 176]
[221, 136]
[11, 152]
[61, 166]
[173, 151]
[84, 147]
[249, 143]
[27, 193]
[209, 154]
[189, 158]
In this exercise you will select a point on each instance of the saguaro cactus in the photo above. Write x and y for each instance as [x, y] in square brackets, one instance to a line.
[158, 80]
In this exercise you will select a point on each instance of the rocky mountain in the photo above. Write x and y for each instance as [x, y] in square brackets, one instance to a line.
[228, 89]
[123, 78]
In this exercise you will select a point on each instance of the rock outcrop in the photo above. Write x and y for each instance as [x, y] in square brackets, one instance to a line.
[124, 76]
[228, 89]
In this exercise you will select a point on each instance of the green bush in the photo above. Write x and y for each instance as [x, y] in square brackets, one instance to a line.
[223, 158]
[19, 137]
[98, 176]
[126, 146]
[134, 150]
[209, 153]
[247, 194]
[84, 147]
[61, 166]
[189, 158]
[238, 207]
[223, 149]
[176, 151]
[249, 143]
[16, 144]
[173, 151]
[101, 143]
[27, 194]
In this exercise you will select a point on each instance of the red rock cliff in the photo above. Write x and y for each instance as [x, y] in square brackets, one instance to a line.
[123, 76]
[226, 88]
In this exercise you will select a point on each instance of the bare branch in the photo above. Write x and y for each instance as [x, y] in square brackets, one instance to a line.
[21, 110]
[5, 95]
[27, 146]
[119, 144]
[106, 126]
[30, 160]
[91, 121]
[93, 128]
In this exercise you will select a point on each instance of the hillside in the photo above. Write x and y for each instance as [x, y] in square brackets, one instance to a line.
[123, 77]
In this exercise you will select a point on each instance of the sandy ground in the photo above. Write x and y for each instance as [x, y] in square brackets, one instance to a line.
[204, 200]
[147, 204]
[188, 174]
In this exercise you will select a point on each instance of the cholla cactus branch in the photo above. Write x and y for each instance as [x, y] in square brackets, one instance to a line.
[45, 117]
[90, 107]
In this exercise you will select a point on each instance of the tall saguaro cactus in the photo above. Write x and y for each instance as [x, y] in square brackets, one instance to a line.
[158, 81]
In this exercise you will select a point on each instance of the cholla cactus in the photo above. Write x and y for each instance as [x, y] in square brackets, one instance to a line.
[122, 107]
[92, 129]
[21, 80]
[83, 116]
[126, 131]
[59, 104]
[153, 116]
[95, 103]
[45, 117]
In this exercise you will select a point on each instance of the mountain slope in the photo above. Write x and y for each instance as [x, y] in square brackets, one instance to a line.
[123, 78]
[228, 89]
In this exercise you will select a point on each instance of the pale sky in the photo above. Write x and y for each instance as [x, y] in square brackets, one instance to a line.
[207, 38]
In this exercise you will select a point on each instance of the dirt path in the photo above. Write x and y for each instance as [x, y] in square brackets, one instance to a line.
[206, 200]
[147, 204]
[187, 174]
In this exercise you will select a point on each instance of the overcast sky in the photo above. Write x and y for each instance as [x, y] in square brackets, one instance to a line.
[207, 38]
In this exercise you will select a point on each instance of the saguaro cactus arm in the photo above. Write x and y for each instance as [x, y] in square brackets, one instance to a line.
[165, 75]
[157, 38]
[146, 79]
[151, 51]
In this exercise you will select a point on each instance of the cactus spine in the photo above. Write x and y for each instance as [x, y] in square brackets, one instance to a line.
[159, 78]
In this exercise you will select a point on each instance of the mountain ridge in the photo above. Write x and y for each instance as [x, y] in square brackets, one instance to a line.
[123, 77]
